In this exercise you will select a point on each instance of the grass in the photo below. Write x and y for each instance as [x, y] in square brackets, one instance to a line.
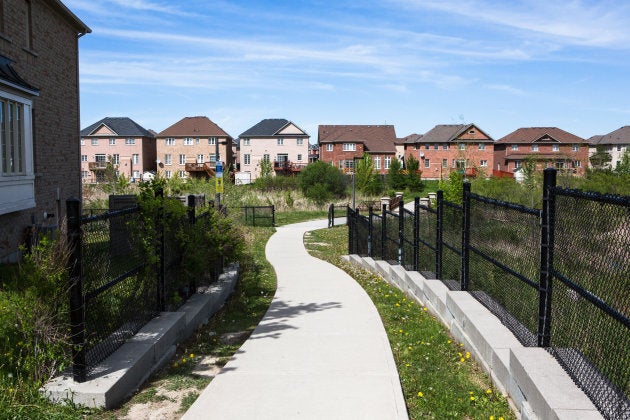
[438, 375]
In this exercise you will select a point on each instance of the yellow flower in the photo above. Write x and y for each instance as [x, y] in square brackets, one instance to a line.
[491, 418]
[470, 392]
[175, 365]
[488, 391]
[467, 355]
[184, 360]
[424, 309]
[398, 304]
[449, 341]
[472, 398]
[461, 360]
[420, 394]
[501, 418]
[192, 355]
[461, 344]
[400, 331]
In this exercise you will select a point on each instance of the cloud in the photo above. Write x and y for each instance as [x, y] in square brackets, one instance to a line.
[507, 89]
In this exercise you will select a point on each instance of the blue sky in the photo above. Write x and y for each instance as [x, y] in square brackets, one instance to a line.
[500, 64]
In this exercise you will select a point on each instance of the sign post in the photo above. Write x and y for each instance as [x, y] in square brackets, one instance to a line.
[218, 182]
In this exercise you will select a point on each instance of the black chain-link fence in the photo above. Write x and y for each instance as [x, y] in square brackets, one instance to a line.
[256, 215]
[409, 247]
[558, 278]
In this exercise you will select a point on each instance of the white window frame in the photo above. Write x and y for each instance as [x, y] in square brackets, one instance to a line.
[17, 188]
[300, 141]
[534, 147]
[576, 147]
[168, 159]
[299, 157]
[349, 147]
[212, 141]
[555, 147]
[94, 142]
[329, 147]
[136, 174]
[445, 146]
[247, 159]
[377, 162]
[112, 142]
[427, 163]
[188, 141]
[578, 164]
[182, 174]
[84, 158]
[514, 147]
[483, 163]
[388, 161]
[130, 141]
[280, 141]
[182, 159]
[168, 174]
[115, 159]
[482, 146]
[135, 158]
[444, 163]
[266, 157]
[169, 141]
[246, 141]
[200, 158]
[461, 146]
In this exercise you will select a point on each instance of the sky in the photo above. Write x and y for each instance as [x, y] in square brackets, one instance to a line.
[500, 64]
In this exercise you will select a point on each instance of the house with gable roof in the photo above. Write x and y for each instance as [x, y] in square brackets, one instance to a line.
[277, 141]
[39, 73]
[189, 148]
[341, 145]
[121, 141]
[616, 143]
[547, 146]
[451, 147]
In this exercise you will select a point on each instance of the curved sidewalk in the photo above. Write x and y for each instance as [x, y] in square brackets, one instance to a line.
[320, 352]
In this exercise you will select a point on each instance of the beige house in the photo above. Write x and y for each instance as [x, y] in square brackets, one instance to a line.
[615, 143]
[39, 163]
[189, 148]
[277, 141]
[121, 141]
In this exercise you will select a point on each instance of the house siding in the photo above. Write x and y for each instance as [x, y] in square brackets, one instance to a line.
[51, 65]
[259, 146]
[191, 152]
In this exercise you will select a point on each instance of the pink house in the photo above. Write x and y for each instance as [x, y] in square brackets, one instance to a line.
[128, 146]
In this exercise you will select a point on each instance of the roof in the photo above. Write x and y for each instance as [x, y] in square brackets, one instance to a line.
[10, 77]
[81, 27]
[619, 136]
[536, 156]
[534, 134]
[446, 133]
[376, 138]
[269, 127]
[194, 127]
[122, 126]
[411, 138]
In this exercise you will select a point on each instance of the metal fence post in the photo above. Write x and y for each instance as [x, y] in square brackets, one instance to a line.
[273, 215]
[77, 304]
[546, 258]
[331, 215]
[416, 233]
[370, 230]
[465, 235]
[191, 209]
[350, 218]
[383, 231]
[401, 231]
[438, 234]
[159, 224]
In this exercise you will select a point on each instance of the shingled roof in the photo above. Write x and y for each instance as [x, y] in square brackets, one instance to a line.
[446, 133]
[194, 127]
[619, 136]
[268, 128]
[122, 126]
[533, 134]
[411, 138]
[376, 138]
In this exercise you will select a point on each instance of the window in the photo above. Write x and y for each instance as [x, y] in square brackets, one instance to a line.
[136, 174]
[349, 147]
[116, 159]
[299, 157]
[349, 165]
[555, 147]
[578, 163]
[576, 147]
[461, 146]
[377, 162]
[199, 158]
[84, 158]
[559, 165]
[135, 158]
[435, 146]
[212, 158]
[444, 163]
[517, 164]
[168, 174]
[329, 147]
[388, 161]
[169, 141]
[112, 142]
[212, 141]
[182, 159]
[300, 142]
[427, 146]
[246, 159]
[129, 141]
[188, 141]
[280, 141]
[196, 140]
[100, 158]
[94, 142]
[514, 147]
[85, 174]
[266, 157]
[483, 163]
[427, 163]
[82, 142]
[182, 174]
[445, 146]
[534, 147]
[168, 159]
[246, 142]
[482, 146]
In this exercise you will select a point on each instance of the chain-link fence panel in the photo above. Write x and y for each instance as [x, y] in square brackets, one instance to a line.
[408, 247]
[391, 238]
[427, 227]
[452, 245]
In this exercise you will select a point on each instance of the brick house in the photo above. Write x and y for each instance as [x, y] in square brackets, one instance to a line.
[616, 143]
[276, 140]
[340, 145]
[39, 105]
[188, 148]
[452, 147]
[548, 146]
[121, 141]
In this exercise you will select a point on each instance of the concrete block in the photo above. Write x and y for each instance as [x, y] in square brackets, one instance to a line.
[382, 268]
[161, 332]
[526, 412]
[369, 264]
[416, 285]
[549, 390]
[398, 275]
[435, 298]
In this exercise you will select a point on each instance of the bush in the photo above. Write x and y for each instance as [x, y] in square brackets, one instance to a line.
[321, 182]
[396, 175]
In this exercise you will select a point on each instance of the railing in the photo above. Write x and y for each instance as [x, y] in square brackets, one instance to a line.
[257, 215]
[558, 278]
[335, 210]
[288, 166]
[94, 166]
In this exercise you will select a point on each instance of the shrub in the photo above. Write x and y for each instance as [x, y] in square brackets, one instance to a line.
[414, 181]
[396, 176]
[367, 180]
[321, 182]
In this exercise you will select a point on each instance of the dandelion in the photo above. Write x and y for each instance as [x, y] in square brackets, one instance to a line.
[467, 355]
[400, 331]
[472, 398]
[398, 304]
[488, 391]
[449, 341]
[462, 360]
[461, 344]
[491, 418]
[184, 360]
[407, 365]
[420, 394]
[424, 308]
[470, 393]
[192, 355]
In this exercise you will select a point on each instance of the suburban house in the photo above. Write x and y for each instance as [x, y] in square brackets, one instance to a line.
[313, 153]
[120, 141]
[189, 148]
[547, 146]
[452, 147]
[277, 141]
[341, 145]
[615, 143]
[39, 73]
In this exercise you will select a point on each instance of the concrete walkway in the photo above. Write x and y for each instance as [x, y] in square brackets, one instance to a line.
[320, 352]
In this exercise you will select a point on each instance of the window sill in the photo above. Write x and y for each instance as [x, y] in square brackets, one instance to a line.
[31, 52]
[16, 193]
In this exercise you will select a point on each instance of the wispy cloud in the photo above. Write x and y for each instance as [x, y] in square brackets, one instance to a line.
[507, 89]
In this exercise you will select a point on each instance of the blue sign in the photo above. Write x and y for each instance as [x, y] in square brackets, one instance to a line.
[219, 169]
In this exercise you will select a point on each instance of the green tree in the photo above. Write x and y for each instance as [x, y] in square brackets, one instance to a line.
[367, 180]
[266, 169]
[453, 187]
[396, 176]
[321, 181]
[600, 159]
[414, 181]
[623, 167]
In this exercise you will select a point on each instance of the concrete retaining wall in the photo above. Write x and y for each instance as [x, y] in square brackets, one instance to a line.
[534, 381]
[118, 376]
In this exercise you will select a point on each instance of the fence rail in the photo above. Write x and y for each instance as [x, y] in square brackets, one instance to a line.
[258, 215]
[557, 277]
